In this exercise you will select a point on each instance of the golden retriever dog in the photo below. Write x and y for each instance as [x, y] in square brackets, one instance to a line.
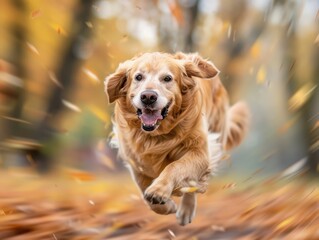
[166, 109]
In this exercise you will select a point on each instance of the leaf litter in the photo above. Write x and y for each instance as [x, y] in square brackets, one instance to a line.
[60, 207]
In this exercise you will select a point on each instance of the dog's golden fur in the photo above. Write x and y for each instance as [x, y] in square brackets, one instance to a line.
[176, 154]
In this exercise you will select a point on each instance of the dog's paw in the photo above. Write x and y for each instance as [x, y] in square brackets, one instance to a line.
[158, 193]
[168, 208]
[185, 215]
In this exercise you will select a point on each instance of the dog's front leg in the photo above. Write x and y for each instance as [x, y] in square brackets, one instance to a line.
[143, 182]
[192, 166]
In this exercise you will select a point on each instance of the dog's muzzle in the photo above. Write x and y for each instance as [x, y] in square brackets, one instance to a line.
[151, 118]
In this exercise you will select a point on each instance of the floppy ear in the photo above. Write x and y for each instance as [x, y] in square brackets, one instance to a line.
[115, 83]
[189, 70]
[200, 67]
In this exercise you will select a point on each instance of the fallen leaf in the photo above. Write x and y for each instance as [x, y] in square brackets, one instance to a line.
[36, 13]
[71, 106]
[54, 79]
[176, 12]
[60, 30]
[294, 168]
[229, 31]
[91, 75]
[316, 125]
[261, 75]
[16, 120]
[315, 146]
[256, 49]
[300, 97]
[285, 223]
[287, 125]
[189, 189]
[229, 185]
[89, 24]
[218, 228]
[33, 48]
[106, 161]
[171, 233]
[79, 175]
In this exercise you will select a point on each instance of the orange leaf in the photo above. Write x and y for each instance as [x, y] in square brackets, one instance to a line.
[79, 175]
[176, 12]
[36, 13]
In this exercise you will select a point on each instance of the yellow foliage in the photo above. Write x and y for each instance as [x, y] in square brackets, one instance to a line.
[189, 189]
[58, 29]
[285, 223]
[300, 97]
[256, 49]
[100, 113]
[261, 75]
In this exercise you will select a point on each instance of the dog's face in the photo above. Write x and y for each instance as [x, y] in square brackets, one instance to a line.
[154, 84]
[154, 88]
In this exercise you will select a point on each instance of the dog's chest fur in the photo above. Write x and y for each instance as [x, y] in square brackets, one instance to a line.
[149, 158]
[146, 156]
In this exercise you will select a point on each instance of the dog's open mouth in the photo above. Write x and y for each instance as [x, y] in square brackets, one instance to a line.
[151, 118]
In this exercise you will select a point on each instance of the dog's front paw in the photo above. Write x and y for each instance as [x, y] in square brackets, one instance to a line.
[158, 193]
[185, 215]
[187, 208]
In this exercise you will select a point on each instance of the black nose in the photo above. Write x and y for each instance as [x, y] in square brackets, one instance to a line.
[148, 97]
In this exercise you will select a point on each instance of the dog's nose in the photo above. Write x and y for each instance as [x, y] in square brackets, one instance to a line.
[148, 97]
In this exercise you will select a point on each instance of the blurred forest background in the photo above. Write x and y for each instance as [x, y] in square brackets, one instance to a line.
[55, 55]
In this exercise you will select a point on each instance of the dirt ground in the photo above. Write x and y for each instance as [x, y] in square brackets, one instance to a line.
[79, 205]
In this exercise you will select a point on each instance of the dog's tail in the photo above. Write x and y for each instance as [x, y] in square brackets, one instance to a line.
[237, 124]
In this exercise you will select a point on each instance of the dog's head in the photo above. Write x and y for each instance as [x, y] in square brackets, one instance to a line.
[155, 84]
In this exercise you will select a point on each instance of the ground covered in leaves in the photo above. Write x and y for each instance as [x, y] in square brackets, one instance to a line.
[79, 205]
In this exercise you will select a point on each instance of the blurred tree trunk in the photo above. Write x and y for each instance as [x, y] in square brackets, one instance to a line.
[310, 118]
[18, 46]
[191, 17]
[179, 38]
[76, 51]
[238, 42]
[15, 68]
[310, 115]
[307, 135]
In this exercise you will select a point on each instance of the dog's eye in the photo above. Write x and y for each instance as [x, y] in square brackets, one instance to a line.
[168, 78]
[138, 77]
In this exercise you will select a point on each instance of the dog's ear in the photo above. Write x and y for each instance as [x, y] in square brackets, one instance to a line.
[115, 82]
[196, 66]
[189, 70]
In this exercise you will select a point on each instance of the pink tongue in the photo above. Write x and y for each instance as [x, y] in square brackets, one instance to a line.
[149, 117]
